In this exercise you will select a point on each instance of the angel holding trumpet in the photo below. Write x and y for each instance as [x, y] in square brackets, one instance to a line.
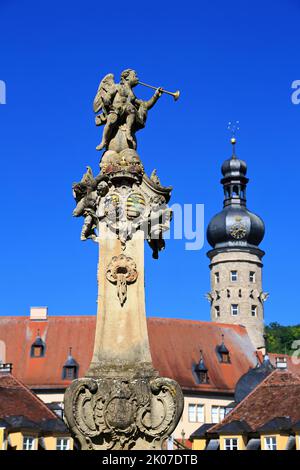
[121, 112]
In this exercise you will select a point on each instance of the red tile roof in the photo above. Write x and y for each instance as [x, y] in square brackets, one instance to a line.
[292, 365]
[175, 346]
[277, 396]
[17, 400]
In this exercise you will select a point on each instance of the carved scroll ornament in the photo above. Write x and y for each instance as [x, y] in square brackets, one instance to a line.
[122, 271]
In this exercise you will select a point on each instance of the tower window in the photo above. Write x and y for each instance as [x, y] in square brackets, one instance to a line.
[254, 311]
[217, 311]
[217, 278]
[252, 276]
[235, 191]
[233, 276]
[234, 309]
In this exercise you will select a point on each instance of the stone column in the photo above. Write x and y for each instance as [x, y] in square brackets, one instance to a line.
[122, 403]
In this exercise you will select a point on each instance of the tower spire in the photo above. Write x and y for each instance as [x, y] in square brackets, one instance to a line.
[233, 127]
[235, 234]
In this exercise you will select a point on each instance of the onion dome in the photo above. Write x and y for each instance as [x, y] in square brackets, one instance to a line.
[235, 225]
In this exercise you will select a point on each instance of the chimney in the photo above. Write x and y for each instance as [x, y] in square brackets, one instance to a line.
[5, 368]
[38, 313]
[281, 362]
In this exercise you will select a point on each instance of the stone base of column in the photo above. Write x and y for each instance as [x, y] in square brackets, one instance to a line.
[123, 411]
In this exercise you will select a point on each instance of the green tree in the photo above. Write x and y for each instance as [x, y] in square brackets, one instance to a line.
[280, 338]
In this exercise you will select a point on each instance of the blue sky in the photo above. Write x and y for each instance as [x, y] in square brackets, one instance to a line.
[231, 60]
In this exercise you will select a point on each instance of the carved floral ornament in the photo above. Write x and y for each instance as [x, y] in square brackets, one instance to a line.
[121, 271]
[114, 414]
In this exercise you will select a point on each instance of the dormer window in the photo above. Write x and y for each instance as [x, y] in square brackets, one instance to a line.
[234, 310]
[201, 371]
[70, 368]
[38, 348]
[223, 353]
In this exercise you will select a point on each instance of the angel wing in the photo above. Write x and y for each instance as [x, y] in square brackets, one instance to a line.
[105, 93]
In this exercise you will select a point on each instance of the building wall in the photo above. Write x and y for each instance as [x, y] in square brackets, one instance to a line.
[199, 444]
[48, 397]
[2, 439]
[208, 402]
[16, 440]
[242, 292]
[50, 442]
[297, 436]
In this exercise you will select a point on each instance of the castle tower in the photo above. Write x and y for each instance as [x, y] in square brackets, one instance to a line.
[235, 233]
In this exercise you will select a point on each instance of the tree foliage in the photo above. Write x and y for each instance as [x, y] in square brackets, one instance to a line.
[280, 338]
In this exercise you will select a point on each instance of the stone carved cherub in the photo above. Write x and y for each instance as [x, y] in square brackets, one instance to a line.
[121, 110]
[87, 194]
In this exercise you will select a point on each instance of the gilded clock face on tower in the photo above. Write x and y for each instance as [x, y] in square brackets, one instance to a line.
[238, 231]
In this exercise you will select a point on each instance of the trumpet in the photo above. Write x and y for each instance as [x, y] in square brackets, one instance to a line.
[175, 94]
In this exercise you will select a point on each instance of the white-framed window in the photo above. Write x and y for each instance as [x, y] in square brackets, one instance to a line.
[254, 310]
[217, 311]
[222, 410]
[62, 443]
[231, 444]
[29, 443]
[217, 278]
[270, 443]
[234, 276]
[252, 276]
[217, 414]
[196, 413]
[234, 309]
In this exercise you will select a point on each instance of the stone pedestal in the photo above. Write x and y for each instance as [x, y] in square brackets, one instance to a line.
[122, 403]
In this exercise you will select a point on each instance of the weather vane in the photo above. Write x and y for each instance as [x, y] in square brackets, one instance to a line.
[233, 127]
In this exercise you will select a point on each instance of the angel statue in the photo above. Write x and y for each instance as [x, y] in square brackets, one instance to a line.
[122, 114]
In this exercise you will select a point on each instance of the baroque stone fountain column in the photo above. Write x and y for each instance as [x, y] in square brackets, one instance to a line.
[122, 403]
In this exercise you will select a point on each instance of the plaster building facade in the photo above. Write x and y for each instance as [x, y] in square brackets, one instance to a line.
[26, 423]
[207, 359]
[267, 418]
